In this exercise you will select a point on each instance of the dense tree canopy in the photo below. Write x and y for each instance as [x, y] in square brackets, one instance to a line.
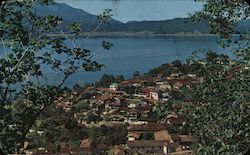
[106, 80]
[219, 116]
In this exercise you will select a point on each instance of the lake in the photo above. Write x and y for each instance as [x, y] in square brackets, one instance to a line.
[129, 54]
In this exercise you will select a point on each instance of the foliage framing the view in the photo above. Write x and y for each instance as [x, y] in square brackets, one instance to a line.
[24, 92]
[220, 114]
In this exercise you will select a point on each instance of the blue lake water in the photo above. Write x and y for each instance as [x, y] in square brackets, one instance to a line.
[130, 54]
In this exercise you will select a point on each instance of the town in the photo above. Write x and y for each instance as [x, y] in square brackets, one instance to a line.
[147, 106]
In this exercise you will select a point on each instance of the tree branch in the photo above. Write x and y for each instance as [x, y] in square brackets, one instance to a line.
[63, 80]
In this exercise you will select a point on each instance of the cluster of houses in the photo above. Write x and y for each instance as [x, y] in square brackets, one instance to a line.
[132, 102]
[161, 143]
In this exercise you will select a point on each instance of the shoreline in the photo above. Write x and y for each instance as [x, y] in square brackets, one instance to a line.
[132, 34]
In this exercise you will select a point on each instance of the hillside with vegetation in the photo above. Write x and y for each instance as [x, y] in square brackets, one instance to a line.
[200, 106]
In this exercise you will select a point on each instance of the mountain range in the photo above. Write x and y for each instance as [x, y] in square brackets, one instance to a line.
[90, 21]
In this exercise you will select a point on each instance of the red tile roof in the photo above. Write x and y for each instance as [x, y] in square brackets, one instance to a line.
[147, 128]
[162, 135]
[147, 143]
[86, 144]
[186, 138]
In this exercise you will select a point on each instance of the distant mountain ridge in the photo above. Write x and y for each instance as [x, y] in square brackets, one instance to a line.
[90, 21]
[71, 15]
[173, 26]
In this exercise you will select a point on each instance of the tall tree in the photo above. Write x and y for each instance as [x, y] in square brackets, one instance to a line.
[27, 53]
[220, 114]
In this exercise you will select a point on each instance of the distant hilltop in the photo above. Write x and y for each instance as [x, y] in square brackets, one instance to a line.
[90, 21]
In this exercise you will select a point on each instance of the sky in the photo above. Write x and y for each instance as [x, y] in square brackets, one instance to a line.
[138, 10]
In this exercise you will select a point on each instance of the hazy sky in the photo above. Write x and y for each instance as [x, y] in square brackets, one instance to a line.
[137, 10]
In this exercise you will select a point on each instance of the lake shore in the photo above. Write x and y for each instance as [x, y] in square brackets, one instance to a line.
[134, 34]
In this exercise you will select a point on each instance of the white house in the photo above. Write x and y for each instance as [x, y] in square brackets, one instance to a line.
[113, 86]
[154, 95]
[131, 105]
